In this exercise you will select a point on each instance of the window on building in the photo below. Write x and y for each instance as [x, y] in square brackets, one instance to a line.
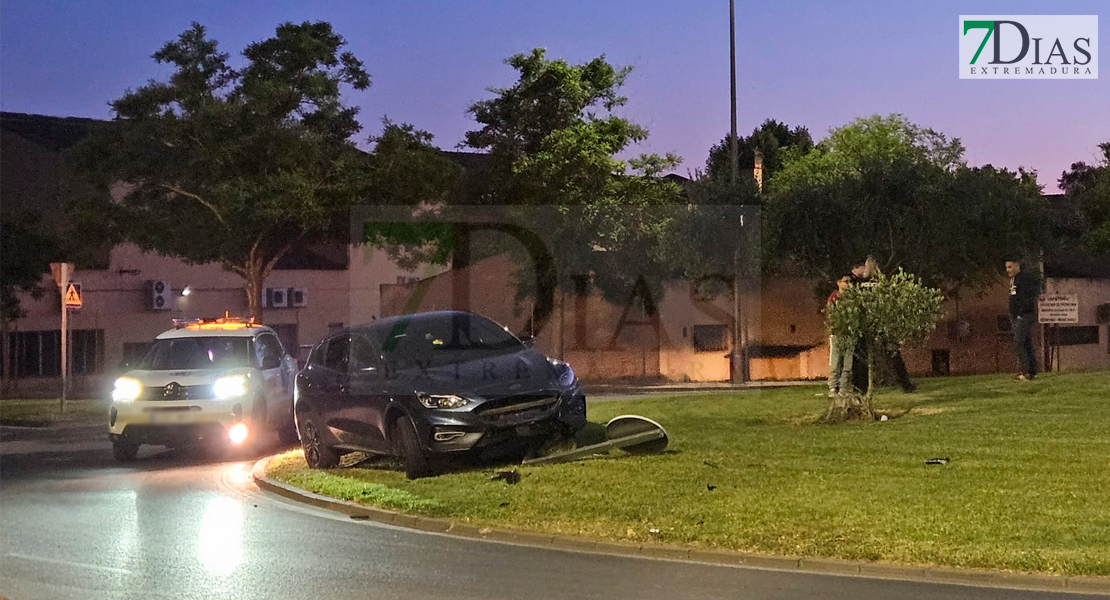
[38, 353]
[710, 338]
[941, 362]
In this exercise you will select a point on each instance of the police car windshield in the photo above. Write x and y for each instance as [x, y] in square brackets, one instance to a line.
[198, 353]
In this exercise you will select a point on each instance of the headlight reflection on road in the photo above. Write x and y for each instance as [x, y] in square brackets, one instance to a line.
[221, 536]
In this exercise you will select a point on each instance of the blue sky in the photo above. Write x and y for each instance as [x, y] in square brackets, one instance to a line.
[818, 64]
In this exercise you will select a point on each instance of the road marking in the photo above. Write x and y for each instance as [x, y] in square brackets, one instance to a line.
[70, 563]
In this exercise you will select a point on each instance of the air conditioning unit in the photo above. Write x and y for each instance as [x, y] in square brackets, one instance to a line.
[298, 297]
[275, 298]
[1102, 314]
[159, 295]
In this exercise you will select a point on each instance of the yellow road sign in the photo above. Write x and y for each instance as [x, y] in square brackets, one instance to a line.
[73, 295]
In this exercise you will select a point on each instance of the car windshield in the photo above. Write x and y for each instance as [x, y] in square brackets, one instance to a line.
[198, 353]
[444, 340]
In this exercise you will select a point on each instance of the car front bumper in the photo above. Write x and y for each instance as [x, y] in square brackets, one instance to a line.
[447, 431]
[169, 422]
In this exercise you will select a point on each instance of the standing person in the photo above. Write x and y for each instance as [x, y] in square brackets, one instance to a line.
[1025, 287]
[840, 349]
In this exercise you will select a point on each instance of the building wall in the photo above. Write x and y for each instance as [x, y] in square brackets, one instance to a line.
[783, 313]
[1091, 293]
[114, 302]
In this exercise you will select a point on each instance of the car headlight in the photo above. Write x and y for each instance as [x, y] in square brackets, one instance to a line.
[232, 386]
[127, 389]
[441, 400]
[563, 371]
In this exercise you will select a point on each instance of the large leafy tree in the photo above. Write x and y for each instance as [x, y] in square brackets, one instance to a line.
[238, 165]
[886, 187]
[554, 143]
[1088, 187]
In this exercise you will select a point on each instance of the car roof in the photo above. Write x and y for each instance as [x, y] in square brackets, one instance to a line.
[417, 318]
[191, 332]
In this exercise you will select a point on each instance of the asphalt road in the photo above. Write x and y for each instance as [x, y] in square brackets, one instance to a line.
[75, 524]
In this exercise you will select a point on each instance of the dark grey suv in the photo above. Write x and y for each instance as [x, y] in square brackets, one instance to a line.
[430, 385]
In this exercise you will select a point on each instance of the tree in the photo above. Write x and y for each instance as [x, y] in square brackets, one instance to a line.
[27, 254]
[886, 187]
[553, 141]
[1088, 187]
[891, 312]
[239, 165]
[774, 141]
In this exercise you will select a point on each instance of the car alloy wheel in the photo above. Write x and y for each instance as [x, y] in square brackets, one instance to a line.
[316, 453]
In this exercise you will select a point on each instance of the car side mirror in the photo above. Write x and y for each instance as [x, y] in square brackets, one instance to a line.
[528, 340]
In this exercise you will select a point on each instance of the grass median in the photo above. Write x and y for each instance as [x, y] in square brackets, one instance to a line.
[1027, 487]
[46, 412]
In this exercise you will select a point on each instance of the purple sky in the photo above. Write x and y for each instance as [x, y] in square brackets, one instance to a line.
[818, 64]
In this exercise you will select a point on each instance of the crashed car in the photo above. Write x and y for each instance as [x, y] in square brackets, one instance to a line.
[430, 386]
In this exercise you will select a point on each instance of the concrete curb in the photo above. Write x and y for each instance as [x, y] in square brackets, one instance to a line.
[825, 566]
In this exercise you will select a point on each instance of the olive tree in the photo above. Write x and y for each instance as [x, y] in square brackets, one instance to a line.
[885, 314]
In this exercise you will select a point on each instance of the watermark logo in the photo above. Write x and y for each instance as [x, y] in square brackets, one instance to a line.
[1028, 47]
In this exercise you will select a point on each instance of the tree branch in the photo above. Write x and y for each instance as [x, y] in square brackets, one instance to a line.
[205, 203]
[266, 270]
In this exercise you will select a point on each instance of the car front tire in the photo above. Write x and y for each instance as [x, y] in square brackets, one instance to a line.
[317, 454]
[406, 446]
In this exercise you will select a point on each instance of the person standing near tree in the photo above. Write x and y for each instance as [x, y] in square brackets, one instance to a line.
[840, 349]
[1025, 287]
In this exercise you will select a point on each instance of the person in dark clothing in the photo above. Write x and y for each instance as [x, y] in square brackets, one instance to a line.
[861, 275]
[1025, 287]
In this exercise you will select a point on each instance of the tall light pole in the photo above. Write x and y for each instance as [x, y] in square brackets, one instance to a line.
[738, 359]
[732, 77]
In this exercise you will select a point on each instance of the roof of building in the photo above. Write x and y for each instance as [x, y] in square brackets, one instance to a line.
[50, 132]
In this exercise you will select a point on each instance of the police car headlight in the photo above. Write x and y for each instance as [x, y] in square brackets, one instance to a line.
[127, 389]
[232, 386]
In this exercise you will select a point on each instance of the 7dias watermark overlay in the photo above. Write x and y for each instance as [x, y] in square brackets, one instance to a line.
[1028, 47]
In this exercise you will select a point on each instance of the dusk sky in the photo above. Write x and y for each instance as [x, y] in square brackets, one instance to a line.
[818, 64]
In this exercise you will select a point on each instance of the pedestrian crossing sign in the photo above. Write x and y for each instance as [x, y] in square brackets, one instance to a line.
[73, 295]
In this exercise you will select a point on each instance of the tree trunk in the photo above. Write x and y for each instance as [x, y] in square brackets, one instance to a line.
[854, 407]
[868, 412]
[253, 280]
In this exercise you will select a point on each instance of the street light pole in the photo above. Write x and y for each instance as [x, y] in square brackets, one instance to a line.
[738, 359]
[732, 76]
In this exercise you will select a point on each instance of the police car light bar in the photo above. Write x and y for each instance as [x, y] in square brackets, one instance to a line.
[224, 322]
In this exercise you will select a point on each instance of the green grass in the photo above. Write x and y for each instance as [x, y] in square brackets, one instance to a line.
[1027, 488]
[41, 413]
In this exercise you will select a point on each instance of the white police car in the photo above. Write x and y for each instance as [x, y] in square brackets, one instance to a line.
[204, 381]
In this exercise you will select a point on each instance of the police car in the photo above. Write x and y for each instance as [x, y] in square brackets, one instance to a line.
[206, 381]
